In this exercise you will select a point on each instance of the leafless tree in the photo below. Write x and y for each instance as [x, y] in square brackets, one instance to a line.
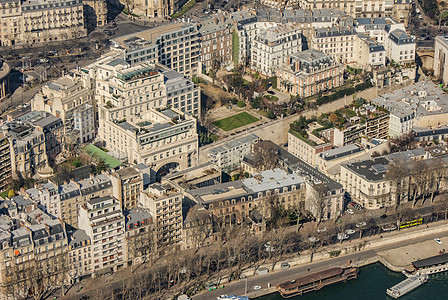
[397, 174]
[318, 204]
[444, 201]
[266, 156]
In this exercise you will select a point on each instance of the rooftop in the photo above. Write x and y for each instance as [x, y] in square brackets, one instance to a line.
[251, 138]
[340, 152]
[423, 98]
[372, 170]
[271, 179]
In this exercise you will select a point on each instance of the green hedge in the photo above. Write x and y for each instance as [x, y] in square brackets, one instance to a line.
[344, 92]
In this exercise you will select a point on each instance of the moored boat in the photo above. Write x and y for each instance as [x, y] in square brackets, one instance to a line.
[316, 281]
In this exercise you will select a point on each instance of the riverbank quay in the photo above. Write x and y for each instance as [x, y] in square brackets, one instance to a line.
[418, 242]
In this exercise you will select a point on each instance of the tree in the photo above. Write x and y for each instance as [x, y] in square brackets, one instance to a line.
[402, 143]
[444, 202]
[265, 155]
[317, 203]
[396, 174]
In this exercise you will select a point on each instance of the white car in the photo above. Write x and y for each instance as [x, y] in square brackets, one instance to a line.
[360, 224]
[342, 236]
[313, 239]
[349, 231]
[323, 229]
[257, 287]
[350, 211]
[438, 241]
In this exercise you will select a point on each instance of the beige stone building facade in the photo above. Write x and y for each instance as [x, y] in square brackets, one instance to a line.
[95, 13]
[35, 21]
[62, 98]
[127, 184]
[308, 73]
[164, 202]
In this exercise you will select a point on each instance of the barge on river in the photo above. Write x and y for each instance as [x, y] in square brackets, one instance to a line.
[316, 281]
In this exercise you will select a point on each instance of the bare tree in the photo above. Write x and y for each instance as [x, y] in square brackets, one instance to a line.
[317, 204]
[397, 174]
[266, 155]
[444, 202]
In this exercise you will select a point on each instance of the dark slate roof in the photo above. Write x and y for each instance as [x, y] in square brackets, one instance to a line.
[372, 169]
[431, 261]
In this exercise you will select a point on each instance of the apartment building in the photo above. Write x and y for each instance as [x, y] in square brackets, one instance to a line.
[48, 196]
[334, 157]
[309, 72]
[370, 54]
[422, 104]
[34, 21]
[399, 9]
[84, 123]
[376, 126]
[102, 220]
[367, 184]
[155, 138]
[79, 255]
[5, 162]
[153, 8]
[164, 202]
[306, 148]
[139, 236]
[245, 201]
[440, 61]
[338, 42]
[33, 247]
[376, 27]
[229, 155]
[130, 90]
[95, 13]
[51, 126]
[74, 194]
[177, 44]
[400, 46]
[215, 34]
[272, 45]
[127, 184]
[62, 98]
[27, 148]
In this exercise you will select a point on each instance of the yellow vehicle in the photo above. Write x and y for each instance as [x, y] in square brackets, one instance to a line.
[411, 223]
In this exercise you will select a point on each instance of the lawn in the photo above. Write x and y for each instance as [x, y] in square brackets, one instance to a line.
[235, 121]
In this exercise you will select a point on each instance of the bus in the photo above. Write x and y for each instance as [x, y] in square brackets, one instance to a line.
[412, 223]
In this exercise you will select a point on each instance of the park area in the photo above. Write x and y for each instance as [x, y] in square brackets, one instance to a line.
[235, 121]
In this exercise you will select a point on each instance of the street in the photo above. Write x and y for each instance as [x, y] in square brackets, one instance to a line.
[275, 278]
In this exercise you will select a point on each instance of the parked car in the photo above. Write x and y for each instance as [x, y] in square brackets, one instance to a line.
[342, 236]
[323, 229]
[360, 224]
[438, 241]
[383, 216]
[350, 211]
[257, 287]
[349, 231]
[285, 265]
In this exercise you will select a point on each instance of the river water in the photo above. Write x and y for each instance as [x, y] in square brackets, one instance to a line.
[372, 283]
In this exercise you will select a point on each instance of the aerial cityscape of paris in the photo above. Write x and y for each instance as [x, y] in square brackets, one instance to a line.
[223, 149]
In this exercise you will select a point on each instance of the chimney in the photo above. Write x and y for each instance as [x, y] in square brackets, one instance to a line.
[216, 20]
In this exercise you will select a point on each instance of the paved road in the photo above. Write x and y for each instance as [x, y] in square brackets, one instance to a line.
[277, 277]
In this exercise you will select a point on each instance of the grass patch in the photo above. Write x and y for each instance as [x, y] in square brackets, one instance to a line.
[271, 98]
[235, 121]
[184, 9]
[235, 48]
